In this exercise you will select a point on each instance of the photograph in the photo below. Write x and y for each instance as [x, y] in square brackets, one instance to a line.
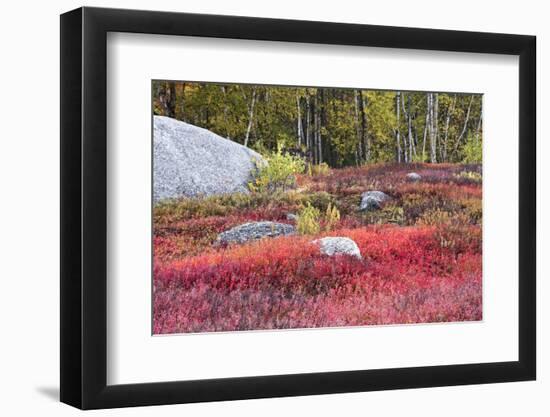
[285, 207]
[346, 206]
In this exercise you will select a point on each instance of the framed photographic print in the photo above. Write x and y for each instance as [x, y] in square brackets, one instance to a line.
[256, 208]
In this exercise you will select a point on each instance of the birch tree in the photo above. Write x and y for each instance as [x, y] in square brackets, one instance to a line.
[308, 129]
[250, 116]
[397, 138]
[299, 127]
[426, 125]
[412, 147]
[450, 110]
[436, 128]
[465, 127]
[340, 126]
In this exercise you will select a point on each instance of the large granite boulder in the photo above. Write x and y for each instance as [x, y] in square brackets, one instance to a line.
[372, 200]
[189, 161]
[338, 246]
[254, 231]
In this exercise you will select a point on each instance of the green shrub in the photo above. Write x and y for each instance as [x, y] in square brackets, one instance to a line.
[332, 217]
[176, 210]
[438, 217]
[393, 214]
[390, 213]
[321, 169]
[470, 175]
[473, 208]
[279, 173]
[434, 217]
[472, 150]
[320, 200]
[224, 205]
[458, 238]
[308, 220]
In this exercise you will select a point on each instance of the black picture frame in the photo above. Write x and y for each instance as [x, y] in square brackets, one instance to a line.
[84, 207]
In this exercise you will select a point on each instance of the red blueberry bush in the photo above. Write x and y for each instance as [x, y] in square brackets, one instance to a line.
[421, 256]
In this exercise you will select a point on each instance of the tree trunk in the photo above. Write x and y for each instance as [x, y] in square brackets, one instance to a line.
[397, 138]
[405, 117]
[225, 110]
[167, 99]
[319, 136]
[172, 100]
[299, 121]
[415, 143]
[181, 115]
[364, 127]
[465, 127]
[447, 122]
[434, 128]
[314, 146]
[478, 129]
[308, 129]
[359, 130]
[428, 106]
[250, 116]
[409, 120]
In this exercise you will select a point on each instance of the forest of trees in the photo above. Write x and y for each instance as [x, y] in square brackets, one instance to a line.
[337, 126]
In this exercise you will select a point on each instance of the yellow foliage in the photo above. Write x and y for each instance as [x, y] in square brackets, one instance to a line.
[473, 208]
[277, 173]
[332, 217]
[321, 169]
[308, 220]
[434, 217]
[470, 175]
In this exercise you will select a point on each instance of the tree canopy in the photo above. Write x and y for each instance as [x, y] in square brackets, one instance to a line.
[336, 126]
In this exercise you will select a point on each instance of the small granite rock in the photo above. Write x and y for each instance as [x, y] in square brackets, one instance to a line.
[413, 176]
[371, 200]
[291, 216]
[254, 231]
[338, 246]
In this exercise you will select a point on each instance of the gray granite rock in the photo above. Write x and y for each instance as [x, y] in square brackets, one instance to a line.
[189, 161]
[372, 200]
[253, 231]
[413, 176]
[338, 246]
[292, 217]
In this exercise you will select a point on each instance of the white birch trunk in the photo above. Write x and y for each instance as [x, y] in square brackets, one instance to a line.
[405, 116]
[250, 116]
[319, 137]
[465, 127]
[434, 128]
[299, 121]
[409, 119]
[397, 138]
[446, 133]
[478, 129]
[426, 127]
[308, 130]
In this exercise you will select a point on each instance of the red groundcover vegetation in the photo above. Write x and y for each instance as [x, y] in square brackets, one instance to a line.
[421, 255]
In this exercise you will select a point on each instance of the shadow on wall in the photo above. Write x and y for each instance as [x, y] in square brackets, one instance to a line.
[50, 392]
